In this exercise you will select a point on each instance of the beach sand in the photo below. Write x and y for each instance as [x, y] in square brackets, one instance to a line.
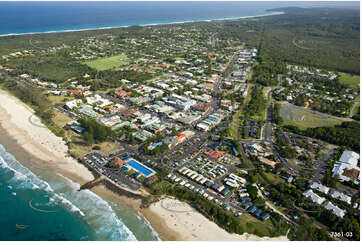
[45, 150]
[173, 219]
[23, 135]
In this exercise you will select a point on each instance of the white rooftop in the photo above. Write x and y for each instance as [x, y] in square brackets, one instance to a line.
[313, 196]
[350, 157]
[335, 210]
[340, 196]
[319, 187]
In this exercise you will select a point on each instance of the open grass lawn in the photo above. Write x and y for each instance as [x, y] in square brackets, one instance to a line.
[355, 110]
[233, 128]
[350, 80]
[248, 96]
[60, 119]
[357, 107]
[293, 115]
[274, 179]
[79, 148]
[252, 225]
[59, 99]
[108, 63]
[109, 147]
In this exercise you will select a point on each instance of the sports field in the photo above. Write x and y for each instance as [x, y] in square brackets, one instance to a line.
[302, 118]
[108, 63]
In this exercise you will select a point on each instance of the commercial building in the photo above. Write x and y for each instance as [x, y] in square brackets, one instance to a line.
[98, 100]
[109, 121]
[347, 168]
[87, 110]
[143, 135]
[180, 102]
[73, 103]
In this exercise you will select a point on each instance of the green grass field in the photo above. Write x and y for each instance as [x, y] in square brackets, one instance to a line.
[234, 126]
[252, 225]
[59, 99]
[293, 115]
[349, 80]
[108, 63]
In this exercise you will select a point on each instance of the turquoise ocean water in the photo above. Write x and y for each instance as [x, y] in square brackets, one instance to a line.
[47, 206]
[39, 205]
[38, 17]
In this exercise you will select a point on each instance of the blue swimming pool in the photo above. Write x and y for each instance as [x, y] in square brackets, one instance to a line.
[139, 167]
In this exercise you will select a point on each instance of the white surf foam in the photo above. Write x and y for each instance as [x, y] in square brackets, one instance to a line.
[100, 214]
[150, 24]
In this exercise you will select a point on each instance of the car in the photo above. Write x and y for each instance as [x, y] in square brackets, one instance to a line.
[237, 214]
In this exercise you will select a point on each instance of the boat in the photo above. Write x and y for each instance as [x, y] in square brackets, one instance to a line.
[19, 226]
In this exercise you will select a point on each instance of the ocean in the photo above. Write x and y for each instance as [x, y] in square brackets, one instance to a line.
[46, 206]
[40, 17]
[40, 205]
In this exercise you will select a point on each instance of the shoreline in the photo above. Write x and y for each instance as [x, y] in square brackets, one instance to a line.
[37, 145]
[175, 220]
[23, 142]
[271, 13]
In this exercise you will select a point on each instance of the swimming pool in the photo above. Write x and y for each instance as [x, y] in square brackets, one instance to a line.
[139, 167]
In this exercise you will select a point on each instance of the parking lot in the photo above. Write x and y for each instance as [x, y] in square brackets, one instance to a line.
[99, 161]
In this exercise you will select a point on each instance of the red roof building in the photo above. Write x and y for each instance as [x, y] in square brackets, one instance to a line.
[122, 93]
[75, 92]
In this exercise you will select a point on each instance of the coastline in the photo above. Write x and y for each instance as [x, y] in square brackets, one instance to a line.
[36, 147]
[175, 220]
[25, 136]
[271, 13]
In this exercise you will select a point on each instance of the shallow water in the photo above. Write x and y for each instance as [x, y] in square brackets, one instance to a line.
[48, 206]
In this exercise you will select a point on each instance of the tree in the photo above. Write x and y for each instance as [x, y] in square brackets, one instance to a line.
[89, 138]
[253, 191]
[254, 179]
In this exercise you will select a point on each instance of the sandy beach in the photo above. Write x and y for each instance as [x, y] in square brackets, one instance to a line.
[177, 220]
[23, 135]
[46, 150]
